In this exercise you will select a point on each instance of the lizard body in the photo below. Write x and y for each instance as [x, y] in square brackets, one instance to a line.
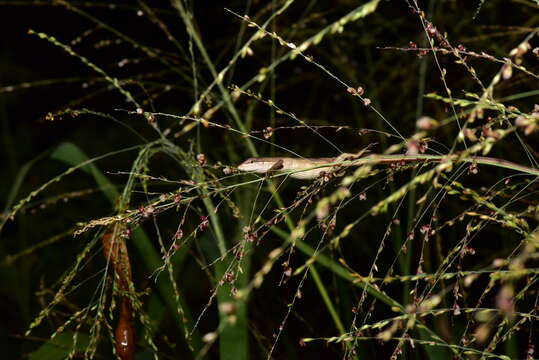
[299, 168]
[311, 168]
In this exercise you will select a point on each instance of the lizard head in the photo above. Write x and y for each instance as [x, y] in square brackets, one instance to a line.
[258, 165]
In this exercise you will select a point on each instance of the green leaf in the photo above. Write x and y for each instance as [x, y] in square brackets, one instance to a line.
[72, 155]
[60, 347]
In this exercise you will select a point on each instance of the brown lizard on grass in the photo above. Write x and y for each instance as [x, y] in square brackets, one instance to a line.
[299, 168]
[311, 168]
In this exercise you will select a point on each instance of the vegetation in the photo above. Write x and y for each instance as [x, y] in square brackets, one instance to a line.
[127, 230]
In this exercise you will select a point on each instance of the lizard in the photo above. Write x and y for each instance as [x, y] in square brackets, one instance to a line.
[312, 168]
[299, 168]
